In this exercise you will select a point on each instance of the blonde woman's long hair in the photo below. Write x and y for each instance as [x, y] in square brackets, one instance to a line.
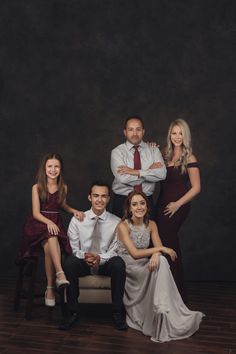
[41, 179]
[168, 151]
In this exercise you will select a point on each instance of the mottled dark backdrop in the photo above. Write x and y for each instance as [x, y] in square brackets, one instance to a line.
[72, 70]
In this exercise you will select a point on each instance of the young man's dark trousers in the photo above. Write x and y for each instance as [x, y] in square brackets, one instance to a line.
[75, 268]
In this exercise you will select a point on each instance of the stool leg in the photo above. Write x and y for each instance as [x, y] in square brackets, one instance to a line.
[19, 285]
[30, 293]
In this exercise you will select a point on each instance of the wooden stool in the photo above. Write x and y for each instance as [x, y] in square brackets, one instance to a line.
[27, 268]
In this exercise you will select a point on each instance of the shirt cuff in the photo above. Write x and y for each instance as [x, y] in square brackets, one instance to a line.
[102, 260]
[143, 173]
[80, 254]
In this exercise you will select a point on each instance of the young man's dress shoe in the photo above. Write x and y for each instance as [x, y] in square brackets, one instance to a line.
[119, 321]
[69, 322]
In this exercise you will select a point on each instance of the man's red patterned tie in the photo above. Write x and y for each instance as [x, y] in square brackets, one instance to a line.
[137, 166]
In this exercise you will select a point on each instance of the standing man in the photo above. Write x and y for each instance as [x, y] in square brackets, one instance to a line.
[135, 166]
[94, 244]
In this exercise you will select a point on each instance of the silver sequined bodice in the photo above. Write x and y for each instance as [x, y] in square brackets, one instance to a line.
[140, 235]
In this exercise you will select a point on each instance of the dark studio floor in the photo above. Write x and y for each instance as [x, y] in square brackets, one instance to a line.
[95, 334]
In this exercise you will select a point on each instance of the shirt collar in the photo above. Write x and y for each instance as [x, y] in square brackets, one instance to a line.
[92, 215]
[130, 146]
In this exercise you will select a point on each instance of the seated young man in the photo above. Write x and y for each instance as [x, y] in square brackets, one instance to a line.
[94, 245]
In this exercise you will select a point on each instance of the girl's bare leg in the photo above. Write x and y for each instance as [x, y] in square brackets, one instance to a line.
[49, 270]
[55, 253]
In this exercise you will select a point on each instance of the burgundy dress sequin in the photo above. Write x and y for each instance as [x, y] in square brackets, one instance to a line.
[173, 188]
[35, 232]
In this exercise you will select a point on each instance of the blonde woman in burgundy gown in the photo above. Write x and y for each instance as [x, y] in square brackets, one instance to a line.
[181, 185]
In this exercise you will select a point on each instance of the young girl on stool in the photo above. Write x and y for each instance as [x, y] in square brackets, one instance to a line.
[44, 227]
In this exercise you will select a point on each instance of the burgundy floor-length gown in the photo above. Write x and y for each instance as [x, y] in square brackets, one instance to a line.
[36, 232]
[171, 189]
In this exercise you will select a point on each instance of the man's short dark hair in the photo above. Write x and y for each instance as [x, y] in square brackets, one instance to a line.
[133, 117]
[100, 183]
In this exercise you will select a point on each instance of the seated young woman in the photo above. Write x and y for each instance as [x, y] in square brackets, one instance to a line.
[153, 303]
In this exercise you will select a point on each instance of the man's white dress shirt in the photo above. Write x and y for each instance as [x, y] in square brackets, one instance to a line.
[80, 234]
[123, 155]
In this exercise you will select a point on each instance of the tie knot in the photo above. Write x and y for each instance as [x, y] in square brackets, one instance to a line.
[136, 147]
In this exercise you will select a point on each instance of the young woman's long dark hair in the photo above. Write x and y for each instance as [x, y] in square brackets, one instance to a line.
[41, 178]
[127, 212]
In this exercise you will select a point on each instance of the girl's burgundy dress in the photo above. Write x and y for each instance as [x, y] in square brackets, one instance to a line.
[36, 232]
